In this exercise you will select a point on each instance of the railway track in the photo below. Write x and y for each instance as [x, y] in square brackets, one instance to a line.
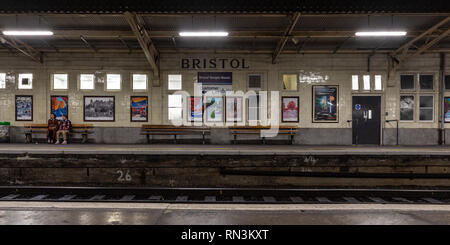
[224, 195]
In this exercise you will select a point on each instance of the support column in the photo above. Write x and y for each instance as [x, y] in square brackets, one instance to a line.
[442, 82]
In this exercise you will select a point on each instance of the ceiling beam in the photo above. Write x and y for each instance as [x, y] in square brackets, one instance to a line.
[87, 43]
[235, 51]
[430, 30]
[428, 45]
[125, 44]
[151, 53]
[23, 48]
[340, 45]
[402, 55]
[285, 37]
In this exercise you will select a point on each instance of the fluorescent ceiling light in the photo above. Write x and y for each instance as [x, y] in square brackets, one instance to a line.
[27, 33]
[204, 34]
[380, 33]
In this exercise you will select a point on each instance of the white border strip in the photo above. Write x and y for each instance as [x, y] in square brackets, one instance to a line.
[223, 207]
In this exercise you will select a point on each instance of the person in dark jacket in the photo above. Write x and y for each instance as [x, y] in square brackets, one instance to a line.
[52, 128]
[64, 129]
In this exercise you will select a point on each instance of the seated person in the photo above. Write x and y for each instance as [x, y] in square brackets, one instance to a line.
[53, 126]
[64, 128]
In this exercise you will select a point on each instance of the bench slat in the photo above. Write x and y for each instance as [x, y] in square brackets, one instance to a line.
[159, 133]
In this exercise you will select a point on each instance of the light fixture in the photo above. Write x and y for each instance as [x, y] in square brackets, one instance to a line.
[380, 33]
[27, 33]
[204, 34]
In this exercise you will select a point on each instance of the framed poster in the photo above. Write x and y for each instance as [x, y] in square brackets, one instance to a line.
[214, 109]
[233, 109]
[59, 106]
[195, 109]
[447, 109]
[289, 109]
[99, 108]
[407, 106]
[139, 109]
[24, 108]
[253, 108]
[325, 107]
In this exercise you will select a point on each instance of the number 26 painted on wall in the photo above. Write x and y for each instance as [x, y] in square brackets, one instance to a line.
[123, 175]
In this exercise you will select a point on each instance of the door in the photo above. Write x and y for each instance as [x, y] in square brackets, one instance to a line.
[366, 119]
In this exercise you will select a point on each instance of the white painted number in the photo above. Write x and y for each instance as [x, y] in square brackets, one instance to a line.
[123, 177]
[128, 176]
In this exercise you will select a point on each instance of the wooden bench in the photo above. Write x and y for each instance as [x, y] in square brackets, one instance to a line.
[250, 130]
[149, 130]
[83, 129]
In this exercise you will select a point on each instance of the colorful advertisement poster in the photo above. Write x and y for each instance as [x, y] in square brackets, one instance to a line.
[59, 106]
[447, 109]
[233, 109]
[325, 103]
[24, 108]
[289, 109]
[214, 109]
[195, 109]
[139, 108]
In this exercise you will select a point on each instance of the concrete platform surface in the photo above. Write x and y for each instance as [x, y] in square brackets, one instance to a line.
[47, 213]
[221, 149]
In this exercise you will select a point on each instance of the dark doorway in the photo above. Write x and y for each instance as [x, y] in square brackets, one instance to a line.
[366, 118]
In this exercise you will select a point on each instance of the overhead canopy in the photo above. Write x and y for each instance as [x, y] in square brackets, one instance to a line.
[224, 6]
[254, 26]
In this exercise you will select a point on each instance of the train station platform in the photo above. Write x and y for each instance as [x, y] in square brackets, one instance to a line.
[45, 213]
[165, 149]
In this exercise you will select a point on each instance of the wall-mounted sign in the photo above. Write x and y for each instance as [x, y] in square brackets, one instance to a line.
[215, 78]
[218, 89]
[218, 82]
[214, 63]
[325, 107]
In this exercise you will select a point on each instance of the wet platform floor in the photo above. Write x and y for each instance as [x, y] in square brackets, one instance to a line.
[67, 213]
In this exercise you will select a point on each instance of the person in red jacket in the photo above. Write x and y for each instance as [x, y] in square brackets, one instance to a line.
[53, 126]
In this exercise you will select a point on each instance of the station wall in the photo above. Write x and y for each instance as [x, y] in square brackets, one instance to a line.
[316, 69]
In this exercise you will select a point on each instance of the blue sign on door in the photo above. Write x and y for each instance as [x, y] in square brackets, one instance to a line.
[357, 107]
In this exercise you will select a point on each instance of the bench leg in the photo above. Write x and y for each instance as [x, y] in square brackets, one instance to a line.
[175, 138]
[292, 139]
[28, 138]
[264, 140]
[148, 139]
[203, 136]
[84, 139]
[234, 139]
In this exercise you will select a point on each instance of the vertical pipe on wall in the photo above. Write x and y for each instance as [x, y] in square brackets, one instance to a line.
[442, 82]
[368, 61]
